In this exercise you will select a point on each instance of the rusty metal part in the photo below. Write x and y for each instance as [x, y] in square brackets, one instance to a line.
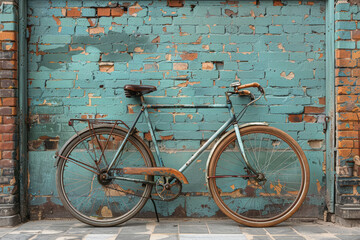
[79, 163]
[244, 92]
[254, 84]
[168, 190]
[155, 171]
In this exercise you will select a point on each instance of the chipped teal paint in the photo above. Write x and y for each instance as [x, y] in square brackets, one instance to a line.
[282, 48]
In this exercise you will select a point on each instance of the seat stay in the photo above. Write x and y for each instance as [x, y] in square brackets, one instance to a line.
[129, 133]
[153, 137]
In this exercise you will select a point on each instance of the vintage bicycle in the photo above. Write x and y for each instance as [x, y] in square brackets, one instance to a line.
[257, 175]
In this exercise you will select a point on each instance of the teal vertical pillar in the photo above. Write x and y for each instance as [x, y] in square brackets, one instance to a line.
[330, 107]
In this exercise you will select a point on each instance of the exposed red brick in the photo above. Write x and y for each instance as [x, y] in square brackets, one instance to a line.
[175, 3]
[346, 81]
[347, 116]
[345, 126]
[132, 10]
[6, 155]
[8, 36]
[9, 101]
[277, 3]
[180, 66]
[355, 54]
[9, 119]
[7, 145]
[309, 119]
[355, 73]
[340, 53]
[345, 62]
[167, 137]
[207, 66]
[96, 30]
[7, 110]
[230, 13]
[8, 137]
[347, 134]
[309, 109]
[117, 12]
[343, 90]
[8, 65]
[73, 12]
[7, 128]
[322, 100]
[355, 35]
[147, 136]
[295, 117]
[103, 12]
[347, 153]
[189, 56]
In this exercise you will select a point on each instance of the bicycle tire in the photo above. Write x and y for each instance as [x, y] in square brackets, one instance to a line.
[90, 199]
[247, 201]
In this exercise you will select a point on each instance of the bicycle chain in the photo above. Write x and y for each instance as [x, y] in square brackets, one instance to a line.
[137, 195]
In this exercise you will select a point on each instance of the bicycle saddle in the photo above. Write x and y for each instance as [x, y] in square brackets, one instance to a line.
[138, 90]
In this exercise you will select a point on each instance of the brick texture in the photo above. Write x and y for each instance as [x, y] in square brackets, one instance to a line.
[8, 106]
[347, 93]
[191, 51]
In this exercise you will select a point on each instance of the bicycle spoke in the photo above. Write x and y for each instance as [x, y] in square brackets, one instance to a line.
[92, 196]
[252, 200]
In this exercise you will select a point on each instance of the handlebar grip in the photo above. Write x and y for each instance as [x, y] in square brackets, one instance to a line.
[249, 85]
[244, 92]
[247, 93]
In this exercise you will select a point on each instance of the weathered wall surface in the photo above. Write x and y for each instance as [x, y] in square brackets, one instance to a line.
[81, 54]
[8, 102]
[347, 85]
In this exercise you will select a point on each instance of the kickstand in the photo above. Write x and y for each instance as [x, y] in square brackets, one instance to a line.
[156, 213]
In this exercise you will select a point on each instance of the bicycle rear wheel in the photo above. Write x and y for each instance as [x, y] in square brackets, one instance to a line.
[238, 193]
[81, 188]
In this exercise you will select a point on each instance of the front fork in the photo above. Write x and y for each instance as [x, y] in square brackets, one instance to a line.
[242, 150]
[238, 136]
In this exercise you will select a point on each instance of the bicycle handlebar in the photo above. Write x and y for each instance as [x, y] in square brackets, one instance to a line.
[247, 92]
[249, 85]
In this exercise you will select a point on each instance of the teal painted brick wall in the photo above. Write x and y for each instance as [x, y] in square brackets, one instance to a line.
[81, 56]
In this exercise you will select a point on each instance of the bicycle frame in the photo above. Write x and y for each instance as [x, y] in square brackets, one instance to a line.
[231, 121]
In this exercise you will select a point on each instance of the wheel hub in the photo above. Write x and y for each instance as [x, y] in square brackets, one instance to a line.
[104, 177]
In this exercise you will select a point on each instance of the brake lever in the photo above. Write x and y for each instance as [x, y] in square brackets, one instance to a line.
[261, 89]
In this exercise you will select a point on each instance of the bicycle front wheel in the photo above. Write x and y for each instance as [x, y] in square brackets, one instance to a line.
[86, 193]
[240, 195]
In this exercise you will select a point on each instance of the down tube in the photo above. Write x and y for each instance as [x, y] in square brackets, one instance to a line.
[208, 142]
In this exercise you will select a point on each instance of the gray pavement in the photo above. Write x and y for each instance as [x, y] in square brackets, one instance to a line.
[179, 229]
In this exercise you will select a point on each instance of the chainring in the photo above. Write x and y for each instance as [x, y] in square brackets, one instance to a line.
[168, 191]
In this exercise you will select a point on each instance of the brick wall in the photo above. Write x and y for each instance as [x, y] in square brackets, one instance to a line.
[81, 54]
[347, 36]
[8, 108]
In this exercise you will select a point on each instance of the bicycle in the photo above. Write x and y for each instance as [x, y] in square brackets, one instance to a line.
[257, 175]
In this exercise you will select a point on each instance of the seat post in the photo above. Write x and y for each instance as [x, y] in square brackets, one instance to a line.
[142, 100]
